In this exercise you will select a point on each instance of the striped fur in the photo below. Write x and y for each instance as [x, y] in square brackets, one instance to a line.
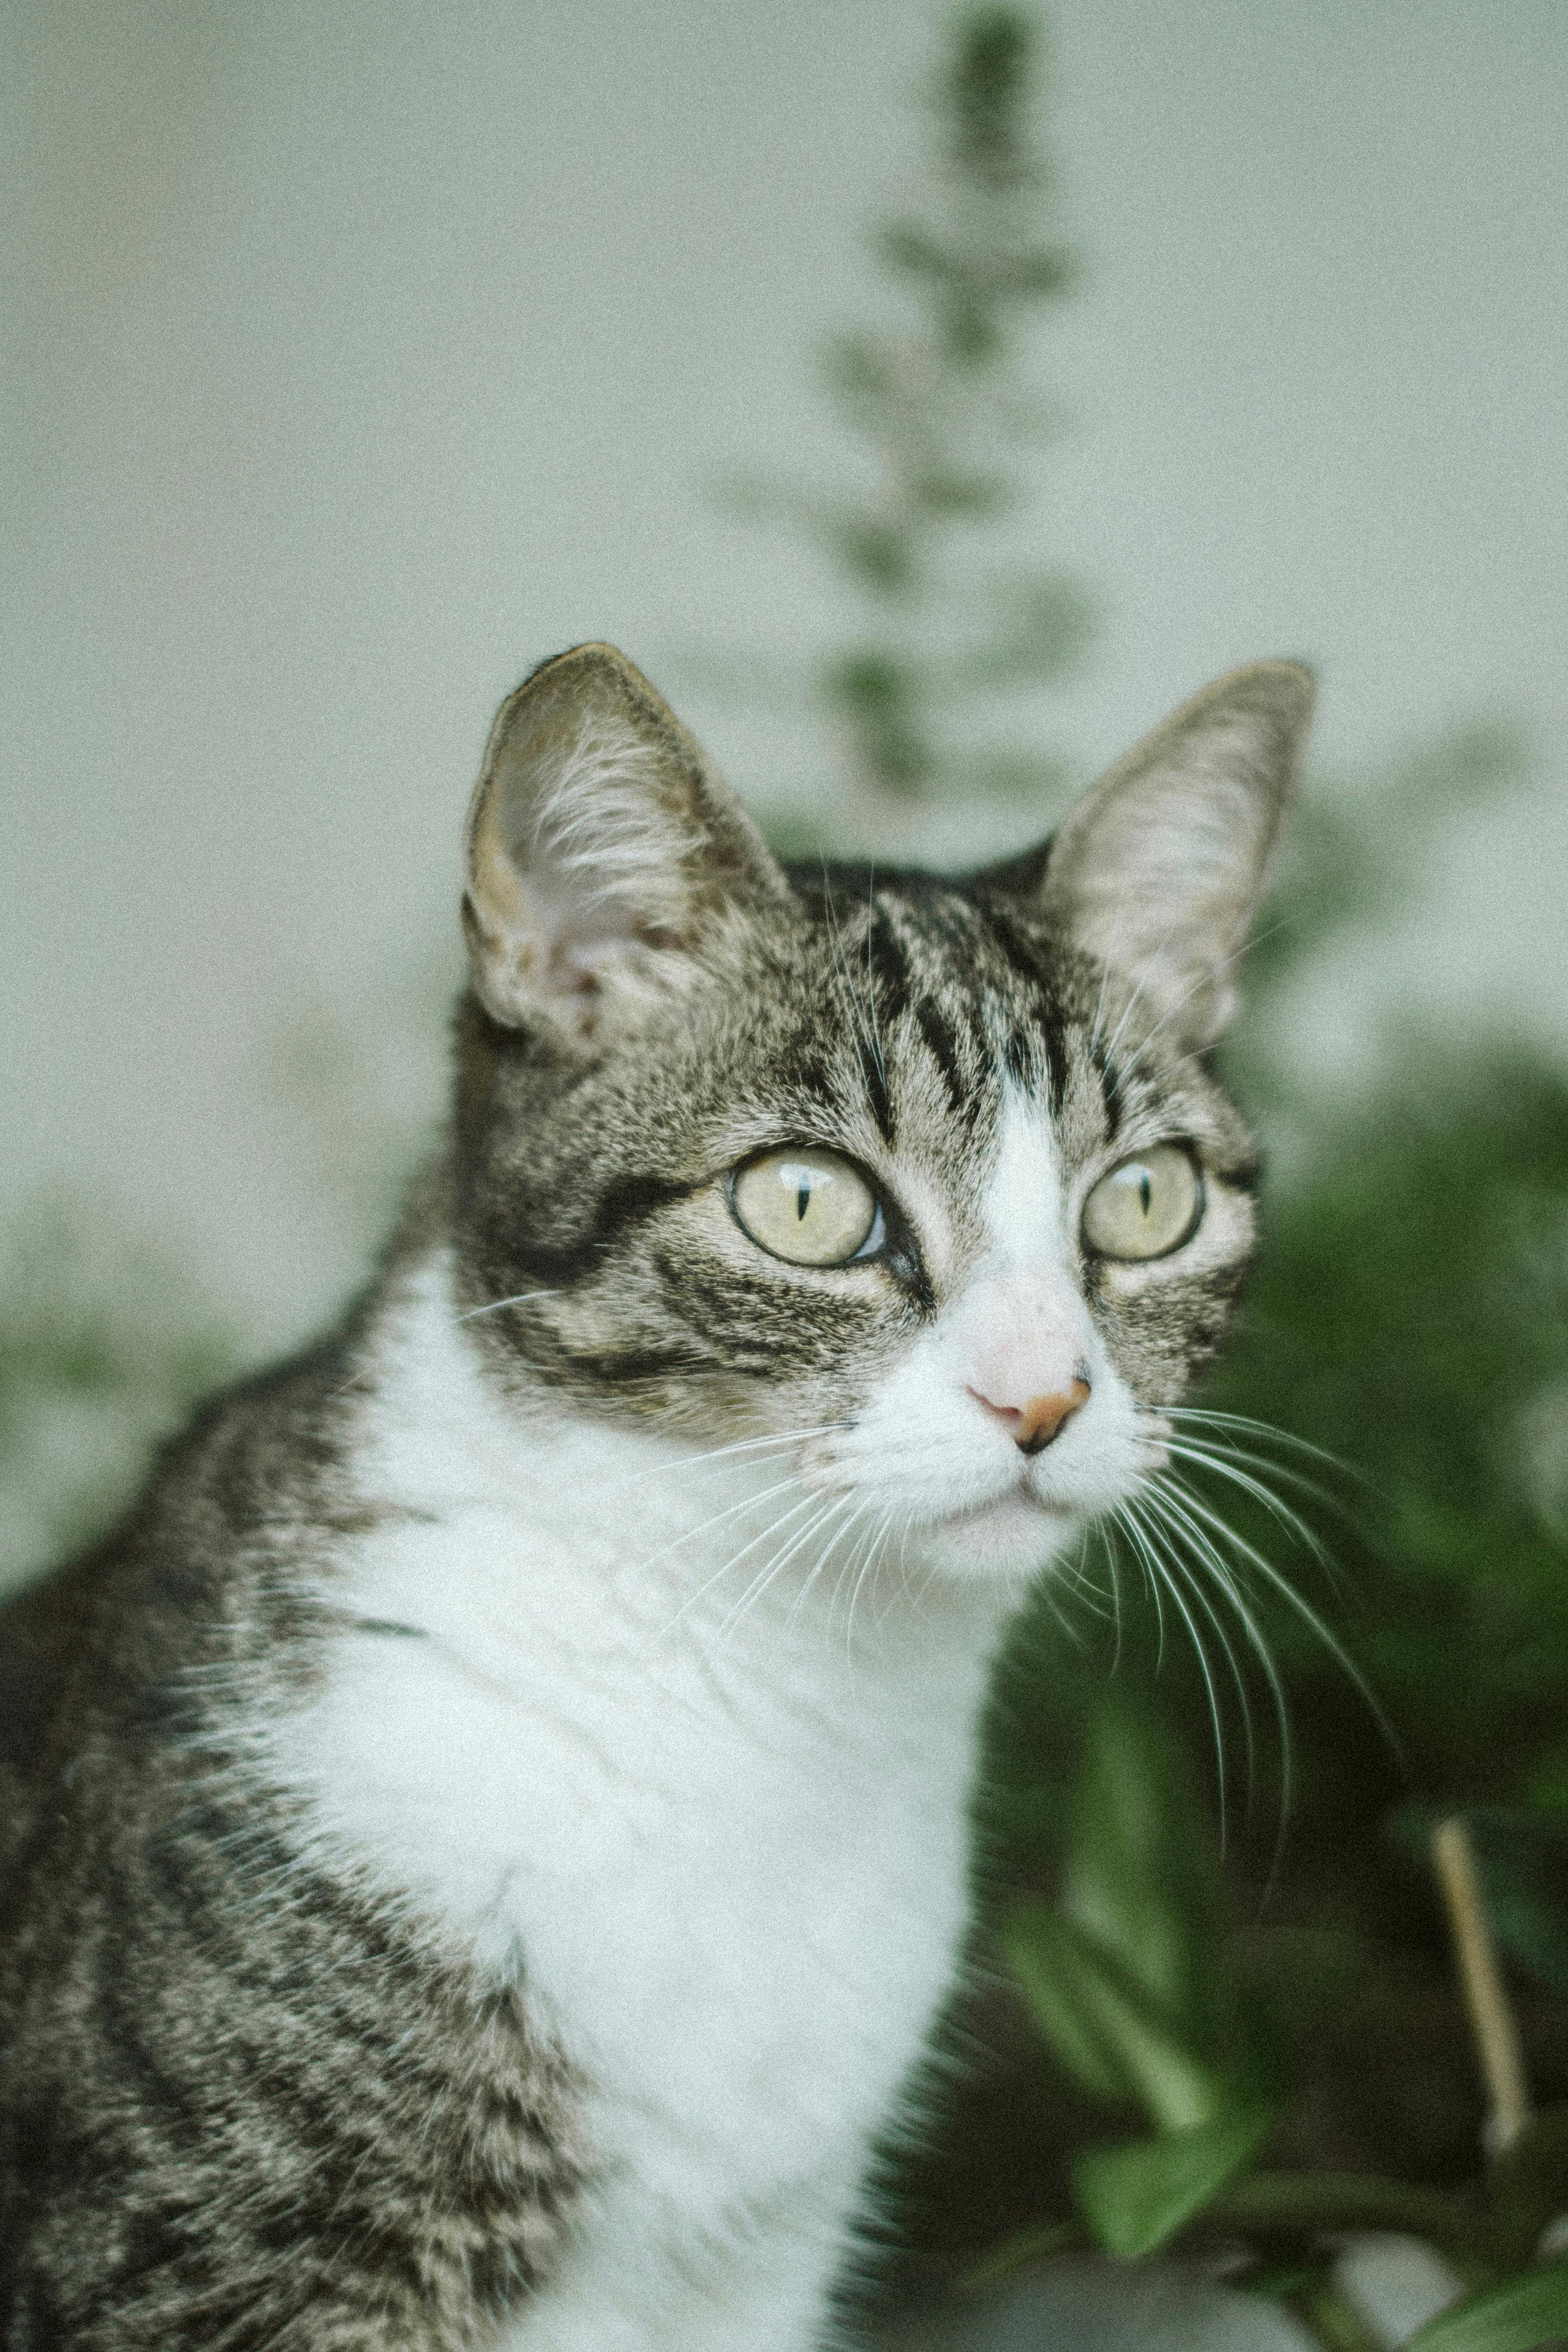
[470, 1879]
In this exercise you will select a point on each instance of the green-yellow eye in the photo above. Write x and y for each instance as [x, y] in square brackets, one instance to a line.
[1151, 1204]
[810, 1207]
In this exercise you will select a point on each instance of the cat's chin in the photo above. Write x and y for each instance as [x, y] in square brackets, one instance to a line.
[1013, 1536]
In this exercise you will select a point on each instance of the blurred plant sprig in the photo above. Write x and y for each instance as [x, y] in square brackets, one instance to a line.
[945, 422]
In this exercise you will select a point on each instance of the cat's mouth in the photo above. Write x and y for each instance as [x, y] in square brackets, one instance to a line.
[1020, 1500]
[1016, 1532]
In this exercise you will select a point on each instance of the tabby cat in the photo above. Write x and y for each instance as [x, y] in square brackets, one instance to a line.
[484, 1841]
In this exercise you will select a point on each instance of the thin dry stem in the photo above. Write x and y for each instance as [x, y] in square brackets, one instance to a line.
[1485, 1999]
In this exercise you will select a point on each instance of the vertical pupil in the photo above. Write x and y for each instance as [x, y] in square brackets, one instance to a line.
[803, 1198]
[1145, 1190]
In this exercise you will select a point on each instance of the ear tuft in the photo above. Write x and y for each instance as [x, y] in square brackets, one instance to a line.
[1157, 871]
[599, 844]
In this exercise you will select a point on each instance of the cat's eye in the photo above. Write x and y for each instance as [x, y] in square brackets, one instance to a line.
[1148, 1206]
[810, 1207]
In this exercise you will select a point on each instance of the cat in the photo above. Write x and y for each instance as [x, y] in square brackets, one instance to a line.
[484, 1841]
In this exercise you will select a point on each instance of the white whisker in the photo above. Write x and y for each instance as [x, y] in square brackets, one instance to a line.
[776, 1443]
[867, 1568]
[1261, 1430]
[761, 1583]
[775, 1526]
[521, 1298]
[1164, 1532]
[1279, 1583]
[1228, 1464]
[1167, 1504]
[1161, 1569]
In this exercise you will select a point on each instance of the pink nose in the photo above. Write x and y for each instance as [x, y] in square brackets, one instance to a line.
[1032, 1424]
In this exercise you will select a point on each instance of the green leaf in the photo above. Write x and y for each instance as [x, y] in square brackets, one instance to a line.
[1107, 2031]
[1531, 2311]
[1142, 1874]
[1137, 2196]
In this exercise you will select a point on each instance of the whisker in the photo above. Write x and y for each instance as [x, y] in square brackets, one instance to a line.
[1153, 1581]
[1219, 1452]
[776, 1441]
[717, 1519]
[782, 1521]
[1161, 1529]
[1274, 1577]
[870, 984]
[1202, 981]
[1161, 1569]
[761, 1583]
[1206, 1414]
[521, 1298]
[868, 1039]
[821, 1561]
[866, 1568]
[847, 1566]
[1244, 1550]
[1073, 1576]
[1167, 1502]
[1227, 1465]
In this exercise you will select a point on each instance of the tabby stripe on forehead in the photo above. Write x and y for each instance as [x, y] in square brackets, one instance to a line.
[1053, 1031]
[889, 963]
[873, 1070]
[1110, 1089]
[1023, 953]
[1021, 1057]
[942, 1043]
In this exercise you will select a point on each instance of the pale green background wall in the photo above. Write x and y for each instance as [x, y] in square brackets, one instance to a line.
[359, 354]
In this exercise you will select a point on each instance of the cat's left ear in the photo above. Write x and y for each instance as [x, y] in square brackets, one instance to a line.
[1156, 872]
[600, 844]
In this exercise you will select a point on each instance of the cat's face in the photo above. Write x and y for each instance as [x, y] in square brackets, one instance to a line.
[929, 1177]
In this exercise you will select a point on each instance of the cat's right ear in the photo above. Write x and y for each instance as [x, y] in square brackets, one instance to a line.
[600, 845]
[1156, 873]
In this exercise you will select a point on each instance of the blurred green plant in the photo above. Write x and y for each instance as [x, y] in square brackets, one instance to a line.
[1135, 1980]
[104, 1347]
[946, 422]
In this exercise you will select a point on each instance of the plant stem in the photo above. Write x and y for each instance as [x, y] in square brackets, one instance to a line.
[1486, 1999]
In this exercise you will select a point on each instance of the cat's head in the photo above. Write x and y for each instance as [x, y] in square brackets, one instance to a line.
[933, 1174]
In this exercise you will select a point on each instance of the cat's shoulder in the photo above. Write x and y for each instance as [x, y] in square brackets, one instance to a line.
[254, 1474]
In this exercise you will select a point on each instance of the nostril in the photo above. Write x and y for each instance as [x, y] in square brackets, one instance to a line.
[1041, 1421]
[1032, 1425]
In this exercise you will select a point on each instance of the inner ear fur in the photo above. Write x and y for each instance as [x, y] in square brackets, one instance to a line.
[1155, 873]
[599, 844]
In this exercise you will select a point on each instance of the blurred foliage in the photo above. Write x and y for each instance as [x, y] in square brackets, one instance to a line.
[104, 1347]
[945, 423]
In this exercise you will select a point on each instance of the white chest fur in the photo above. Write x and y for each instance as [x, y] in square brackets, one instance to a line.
[721, 1831]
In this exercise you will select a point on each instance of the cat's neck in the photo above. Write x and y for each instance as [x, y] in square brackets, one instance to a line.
[553, 1629]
